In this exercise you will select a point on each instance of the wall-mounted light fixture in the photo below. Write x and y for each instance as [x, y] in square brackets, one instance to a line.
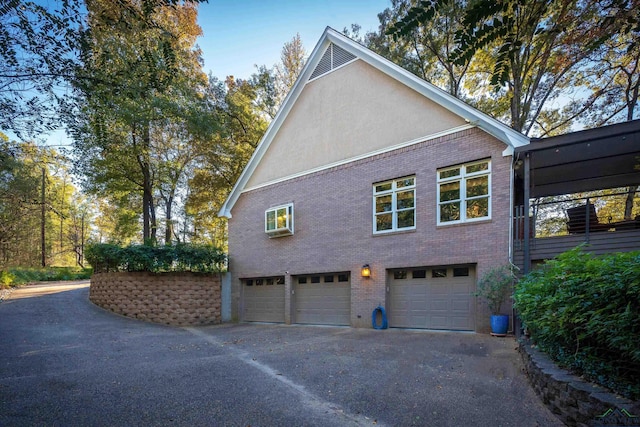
[366, 271]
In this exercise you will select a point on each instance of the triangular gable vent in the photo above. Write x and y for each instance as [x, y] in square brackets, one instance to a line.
[333, 58]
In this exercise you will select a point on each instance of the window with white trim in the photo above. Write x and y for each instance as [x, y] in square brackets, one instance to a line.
[464, 193]
[394, 205]
[278, 221]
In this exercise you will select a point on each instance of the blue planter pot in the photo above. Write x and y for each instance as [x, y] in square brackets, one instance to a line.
[499, 324]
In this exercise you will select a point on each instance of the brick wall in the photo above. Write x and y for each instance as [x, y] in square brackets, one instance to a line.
[179, 299]
[573, 400]
[334, 223]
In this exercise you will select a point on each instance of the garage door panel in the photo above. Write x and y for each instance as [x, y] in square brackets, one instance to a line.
[439, 322]
[460, 323]
[460, 306]
[322, 303]
[263, 303]
[432, 302]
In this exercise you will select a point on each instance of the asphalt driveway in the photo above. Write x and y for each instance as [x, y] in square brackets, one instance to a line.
[66, 362]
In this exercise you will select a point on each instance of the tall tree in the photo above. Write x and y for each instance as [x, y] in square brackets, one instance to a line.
[615, 84]
[272, 85]
[225, 153]
[79, 228]
[140, 68]
[176, 152]
[427, 49]
[35, 201]
[536, 47]
[292, 59]
[116, 218]
[614, 80]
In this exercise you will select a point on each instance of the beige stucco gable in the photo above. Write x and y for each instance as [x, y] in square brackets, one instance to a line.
[350, 112]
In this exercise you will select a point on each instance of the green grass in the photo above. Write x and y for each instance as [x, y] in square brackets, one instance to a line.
[19, 276]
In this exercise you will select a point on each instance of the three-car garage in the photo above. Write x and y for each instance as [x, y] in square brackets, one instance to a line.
[420, 297]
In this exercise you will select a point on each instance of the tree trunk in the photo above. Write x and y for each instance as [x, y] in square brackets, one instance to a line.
[148, 225]
[152, 216]
[168, 231]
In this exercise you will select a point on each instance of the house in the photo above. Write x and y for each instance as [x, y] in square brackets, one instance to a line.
[371, 187]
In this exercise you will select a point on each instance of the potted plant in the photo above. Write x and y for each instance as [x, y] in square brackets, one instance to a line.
[495, 286]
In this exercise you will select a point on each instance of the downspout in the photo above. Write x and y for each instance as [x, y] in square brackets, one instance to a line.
[511, 224]
[511, 209]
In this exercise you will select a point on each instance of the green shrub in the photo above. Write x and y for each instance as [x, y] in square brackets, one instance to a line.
[495, 286]
[20, 275]
[6, 279]
[584, 312]
[182, 257]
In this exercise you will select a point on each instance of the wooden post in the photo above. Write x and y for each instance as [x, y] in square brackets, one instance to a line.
[586, 221]
[527, 225]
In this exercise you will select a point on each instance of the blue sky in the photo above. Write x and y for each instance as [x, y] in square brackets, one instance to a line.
[241, 34]
[244, 33]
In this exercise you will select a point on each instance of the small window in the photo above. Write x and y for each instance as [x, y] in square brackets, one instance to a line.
[439, 272]
[328, 279]
[259, 282]
[343, 277]
[315, 279]
[278, 221]
[248, 282]
[400, 274]
[461, 272]
[394, 205]
[419, 274]
[269, 282]
[280, 281]
[302, 280]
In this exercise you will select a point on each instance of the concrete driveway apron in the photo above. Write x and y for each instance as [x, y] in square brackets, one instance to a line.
[64, 361]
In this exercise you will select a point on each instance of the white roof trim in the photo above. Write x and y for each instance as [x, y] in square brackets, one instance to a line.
[490, 125]
[362, 156]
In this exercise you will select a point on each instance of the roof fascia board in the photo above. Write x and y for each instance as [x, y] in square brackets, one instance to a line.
[582, 136]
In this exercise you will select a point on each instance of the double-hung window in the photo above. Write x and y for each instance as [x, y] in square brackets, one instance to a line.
[394, 205]
[464, 193]
[278, 221]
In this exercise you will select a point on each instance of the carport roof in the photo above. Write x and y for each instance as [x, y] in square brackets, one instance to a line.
[593, 159]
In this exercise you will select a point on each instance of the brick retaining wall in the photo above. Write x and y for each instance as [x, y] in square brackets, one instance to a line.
[179, 299]
[575, 401]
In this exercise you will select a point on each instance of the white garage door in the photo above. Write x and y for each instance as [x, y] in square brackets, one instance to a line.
[432, 298]
[263, 300]
[322, 299]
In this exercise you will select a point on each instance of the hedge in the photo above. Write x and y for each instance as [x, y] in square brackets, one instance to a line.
[584, 312]
[15, 276]
[105, 257]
